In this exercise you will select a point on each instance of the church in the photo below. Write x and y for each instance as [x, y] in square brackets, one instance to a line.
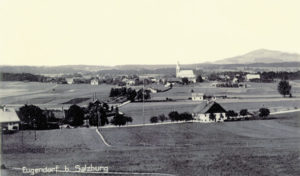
[185, 74]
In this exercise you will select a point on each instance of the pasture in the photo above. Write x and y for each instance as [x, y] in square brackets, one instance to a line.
[48, 95]
[262, 147]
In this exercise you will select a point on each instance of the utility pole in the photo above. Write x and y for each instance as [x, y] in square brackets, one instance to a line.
[143, 93]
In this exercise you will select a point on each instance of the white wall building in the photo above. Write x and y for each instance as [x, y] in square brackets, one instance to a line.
[94, 81]
[252, 76]
[204, 110]
[197, 96]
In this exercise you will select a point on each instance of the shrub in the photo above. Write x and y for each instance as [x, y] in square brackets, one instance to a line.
[264, 112]
[162, 117]
[154, 119]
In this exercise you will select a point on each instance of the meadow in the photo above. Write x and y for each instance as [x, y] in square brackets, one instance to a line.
[261, 147]
[48, 95]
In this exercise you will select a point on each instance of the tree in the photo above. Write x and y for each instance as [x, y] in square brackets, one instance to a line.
[120, 119]
[284, 88]
[185, 80]
[162, 117]
[143, 93]
[131, 94]
[33, 116]
[199, 78]
[243, 112]
[154, 119]
[75, 115]
[264, 112]
[174, 116]
[212, 116]
[97, 110]
[231, 113]
[185, 116]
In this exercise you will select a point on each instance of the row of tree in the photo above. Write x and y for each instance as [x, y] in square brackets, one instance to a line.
[173, 116]
[230, 114]
[97, 113]
[130, 94]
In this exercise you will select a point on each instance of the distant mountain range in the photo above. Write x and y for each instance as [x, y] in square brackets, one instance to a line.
[261, 56]
[257, 58]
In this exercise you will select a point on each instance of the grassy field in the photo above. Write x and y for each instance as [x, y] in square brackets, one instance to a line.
[135, 110]
[55, 94]
[262, 147]
[47, 95]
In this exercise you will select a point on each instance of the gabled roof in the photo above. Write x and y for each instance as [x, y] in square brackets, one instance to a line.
[8, 115]
[211, 107]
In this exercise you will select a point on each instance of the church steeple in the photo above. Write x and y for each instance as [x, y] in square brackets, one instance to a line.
[177, 68]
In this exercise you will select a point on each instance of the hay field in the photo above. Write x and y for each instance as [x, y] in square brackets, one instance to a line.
[262, 147]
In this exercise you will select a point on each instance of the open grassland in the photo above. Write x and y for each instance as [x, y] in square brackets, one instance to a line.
[135, 110]
[55, 94]
[262, 147]
[48, 93]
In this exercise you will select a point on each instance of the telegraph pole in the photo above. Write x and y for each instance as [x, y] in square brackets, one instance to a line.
[143, 93]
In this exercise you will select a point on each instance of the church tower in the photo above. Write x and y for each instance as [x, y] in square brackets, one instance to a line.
[177, 69]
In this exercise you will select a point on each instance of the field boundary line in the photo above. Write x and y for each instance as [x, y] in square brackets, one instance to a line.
[102, 173]
[102, 138]
[147, 124]
[283, 112]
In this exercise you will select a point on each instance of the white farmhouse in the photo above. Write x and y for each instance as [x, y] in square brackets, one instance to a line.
[197, 96]
[9, 119]
[70, 80]
[94, 81]
[252, 76]
[209, 112]
[185, 74]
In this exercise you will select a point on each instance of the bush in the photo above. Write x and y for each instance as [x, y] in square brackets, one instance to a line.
[174, 116]
[154, 119]
[162, 117]
[120, 119]
[243, 112]
[264, 112]
[185, 116]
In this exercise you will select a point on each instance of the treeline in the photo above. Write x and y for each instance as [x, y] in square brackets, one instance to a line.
[96, 114]
[280, 75]
[130, 94]
[30, 78]
[173, 116]
[22, 77]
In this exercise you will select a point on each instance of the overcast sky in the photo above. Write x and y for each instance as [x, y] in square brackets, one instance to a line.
[114, 32]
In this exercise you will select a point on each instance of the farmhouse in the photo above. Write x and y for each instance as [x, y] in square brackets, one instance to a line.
[197, 96]
[252, 76]
[95, 81]
[70, 80]
[209, 112]
[185, 74]
[9, 119]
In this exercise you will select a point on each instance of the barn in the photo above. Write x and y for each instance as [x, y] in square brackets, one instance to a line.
[209, 111]
[9, 120]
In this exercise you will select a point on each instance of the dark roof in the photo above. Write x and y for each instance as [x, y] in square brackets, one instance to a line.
[211, 107]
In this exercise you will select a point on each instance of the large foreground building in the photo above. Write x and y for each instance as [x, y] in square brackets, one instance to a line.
[209, 112]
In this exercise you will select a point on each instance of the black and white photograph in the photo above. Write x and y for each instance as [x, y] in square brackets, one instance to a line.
[149, 87]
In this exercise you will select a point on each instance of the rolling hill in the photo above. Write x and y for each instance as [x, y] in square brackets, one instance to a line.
[262, 56]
